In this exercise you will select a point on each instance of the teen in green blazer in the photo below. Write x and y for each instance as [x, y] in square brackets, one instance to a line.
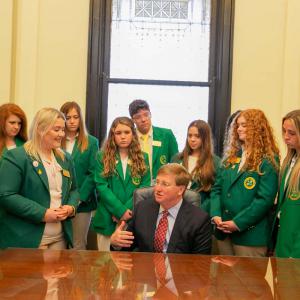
[120, 169]
[18, 143]
[164, 147]
[38, 189]
[288, 208]
[198, 158]
[13, 127]
[159, 143]
[85, 169]
[246, 186]
[83, 148]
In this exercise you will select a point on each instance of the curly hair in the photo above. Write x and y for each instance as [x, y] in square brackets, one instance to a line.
[293, 185]
[110, 149]
[259, 143]
[5, 111]
[204, 171]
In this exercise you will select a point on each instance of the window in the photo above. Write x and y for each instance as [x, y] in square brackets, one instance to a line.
[176, 9]
[176, 54]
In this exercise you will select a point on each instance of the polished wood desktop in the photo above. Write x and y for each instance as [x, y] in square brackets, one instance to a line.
[49, 274]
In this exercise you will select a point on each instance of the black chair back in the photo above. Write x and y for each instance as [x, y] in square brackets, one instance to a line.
[148, 192]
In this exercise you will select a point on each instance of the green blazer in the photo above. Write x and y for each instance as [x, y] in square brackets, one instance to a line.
[19, 143]
[84, 163]
[288, 239]
[204, 196]
[25, 197]
[164, 147]
[246, 198]
[115, 194]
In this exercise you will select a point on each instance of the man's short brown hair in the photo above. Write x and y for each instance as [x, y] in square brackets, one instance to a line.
[182, 176]
[137, 105]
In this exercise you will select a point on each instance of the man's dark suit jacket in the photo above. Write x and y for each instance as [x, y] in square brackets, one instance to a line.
[191, 232]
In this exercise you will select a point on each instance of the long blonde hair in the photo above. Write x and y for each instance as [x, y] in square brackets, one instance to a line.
[110, 150]
[82, 139]
[259, 143]
[293, 185]
[204, 172]
[41, 124]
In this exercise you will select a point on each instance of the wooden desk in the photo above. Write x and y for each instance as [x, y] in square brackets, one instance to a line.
[31, 274]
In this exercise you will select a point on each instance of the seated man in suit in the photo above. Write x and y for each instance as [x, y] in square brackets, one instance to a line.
[166, 223]
[159, 143]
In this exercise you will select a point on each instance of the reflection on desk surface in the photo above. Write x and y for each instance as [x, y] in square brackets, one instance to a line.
[51, 274]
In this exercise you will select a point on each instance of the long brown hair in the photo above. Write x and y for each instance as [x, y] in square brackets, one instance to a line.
[204, 171]
[294, 185]
[5, 111]
[110, 150]
[82, 139]
[259, 144]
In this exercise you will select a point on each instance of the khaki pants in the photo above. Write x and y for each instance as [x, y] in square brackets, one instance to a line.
[53, 245]
[214, 246]
[226, 247]
[81, 224]
[103, 242]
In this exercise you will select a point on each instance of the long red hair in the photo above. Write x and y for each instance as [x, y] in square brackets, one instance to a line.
[7, 110]
[259, 144]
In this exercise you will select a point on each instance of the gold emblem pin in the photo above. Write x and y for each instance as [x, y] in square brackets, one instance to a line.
[249, 183]
[237, 160]
[66, 173]
[294, 195]
[136, 180]
[163, 159]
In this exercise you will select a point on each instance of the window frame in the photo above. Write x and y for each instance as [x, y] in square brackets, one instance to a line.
[219, 73]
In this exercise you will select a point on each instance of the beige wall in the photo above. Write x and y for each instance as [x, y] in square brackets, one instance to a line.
[5, 49]
[266, 69]
[43, 52]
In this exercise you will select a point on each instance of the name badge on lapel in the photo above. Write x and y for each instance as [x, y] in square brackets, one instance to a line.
[66, 173]
[156, 143]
